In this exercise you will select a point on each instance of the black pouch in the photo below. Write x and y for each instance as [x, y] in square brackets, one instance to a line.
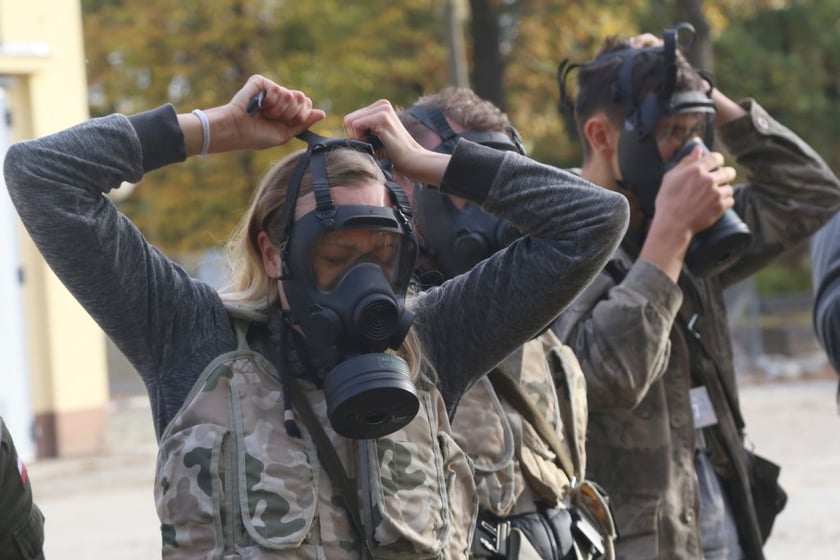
[546, 533]
[768, 496]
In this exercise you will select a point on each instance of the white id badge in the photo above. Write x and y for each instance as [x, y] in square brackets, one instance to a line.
[701, 408]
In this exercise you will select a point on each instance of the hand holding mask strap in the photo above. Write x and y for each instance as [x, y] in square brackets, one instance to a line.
[645, 114]
[640, 161]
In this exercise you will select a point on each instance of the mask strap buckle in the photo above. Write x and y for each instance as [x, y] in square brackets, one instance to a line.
[315, 160]
[434, 119]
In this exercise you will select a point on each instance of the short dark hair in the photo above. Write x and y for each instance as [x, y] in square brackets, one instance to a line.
[596, 80]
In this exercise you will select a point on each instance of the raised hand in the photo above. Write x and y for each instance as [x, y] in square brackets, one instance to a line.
[409, 158]
[280, 115]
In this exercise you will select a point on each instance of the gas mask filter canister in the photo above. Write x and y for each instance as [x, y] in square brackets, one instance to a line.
[718, 246]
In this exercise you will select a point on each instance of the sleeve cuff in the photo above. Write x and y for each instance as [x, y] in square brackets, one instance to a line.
[160, 137]
[471, 171]
[741, 133]
[655, 286]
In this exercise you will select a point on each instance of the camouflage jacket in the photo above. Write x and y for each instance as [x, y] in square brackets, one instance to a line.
[231, 483]
[514, 467]
[639, 365]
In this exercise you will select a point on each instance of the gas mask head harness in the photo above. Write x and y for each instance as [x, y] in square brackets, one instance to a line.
[690, 123]
[457, 239]
[346, 270]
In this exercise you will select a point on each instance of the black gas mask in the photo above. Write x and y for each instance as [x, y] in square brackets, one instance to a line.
[641, 164]
[346, 270]
[458, 239]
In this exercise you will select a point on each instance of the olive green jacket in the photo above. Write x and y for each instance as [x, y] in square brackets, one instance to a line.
[640, 363]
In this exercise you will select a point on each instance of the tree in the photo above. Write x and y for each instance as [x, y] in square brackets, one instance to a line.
[488, 63]
[197, 54]
[789, 59]
[545, 33]
[701, 55]
[347, 54]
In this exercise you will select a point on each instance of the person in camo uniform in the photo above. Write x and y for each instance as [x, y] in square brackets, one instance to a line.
[21, 521]
[534, 501]
[666, 435]
[298, 414]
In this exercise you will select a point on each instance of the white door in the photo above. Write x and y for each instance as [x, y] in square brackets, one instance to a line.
[14, 376]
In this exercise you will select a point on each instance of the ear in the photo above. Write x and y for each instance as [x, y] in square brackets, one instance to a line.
[601, 134]
[272, 263]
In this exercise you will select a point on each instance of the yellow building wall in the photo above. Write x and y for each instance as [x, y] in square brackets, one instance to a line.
[42, 61]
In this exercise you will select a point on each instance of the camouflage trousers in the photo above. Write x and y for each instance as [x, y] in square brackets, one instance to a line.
[21, 522]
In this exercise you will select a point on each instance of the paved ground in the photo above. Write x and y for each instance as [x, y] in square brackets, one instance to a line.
[102, 507]
[797, 425]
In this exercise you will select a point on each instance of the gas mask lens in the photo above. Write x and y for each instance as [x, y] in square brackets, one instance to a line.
[335, 252]
[673, 131]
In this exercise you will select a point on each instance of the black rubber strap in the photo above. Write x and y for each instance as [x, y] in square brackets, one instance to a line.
[328, 456]
[434, 119]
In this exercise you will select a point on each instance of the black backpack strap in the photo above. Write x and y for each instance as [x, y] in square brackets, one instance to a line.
[688, 317]
[328, 456]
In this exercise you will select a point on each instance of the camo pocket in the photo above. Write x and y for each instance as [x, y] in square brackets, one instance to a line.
[189, 490]
[481, 429]
[462, 494]
[544, 477]
[418, 487]
[277, 481]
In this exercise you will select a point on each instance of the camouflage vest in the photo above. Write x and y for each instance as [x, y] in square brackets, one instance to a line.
[514, 467]
[231, 483]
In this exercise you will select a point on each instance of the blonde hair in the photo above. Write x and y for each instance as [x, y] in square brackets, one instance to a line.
[248, 286]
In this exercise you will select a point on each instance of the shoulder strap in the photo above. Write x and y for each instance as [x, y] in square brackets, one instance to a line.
[588, 497]
[687, 318]
[513, 393]
[331, 461]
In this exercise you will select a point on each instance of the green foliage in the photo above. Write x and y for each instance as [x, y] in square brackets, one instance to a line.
[778, 279]
[347, 54]
[790, 273]
[790, 60]
[546, 33]
[197, 54]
